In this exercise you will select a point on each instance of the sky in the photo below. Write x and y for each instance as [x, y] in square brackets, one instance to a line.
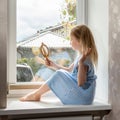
[33, 15]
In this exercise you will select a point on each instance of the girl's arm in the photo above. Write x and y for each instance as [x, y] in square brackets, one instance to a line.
[55, 66]
[49, 63]
[82, 68]
[82, 73]
[69, 69]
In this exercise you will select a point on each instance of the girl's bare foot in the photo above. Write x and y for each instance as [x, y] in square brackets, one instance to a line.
[30, 97]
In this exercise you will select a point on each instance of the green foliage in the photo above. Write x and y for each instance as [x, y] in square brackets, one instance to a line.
[64, 12]
[69, 10]
[68, 15]
[31, 62]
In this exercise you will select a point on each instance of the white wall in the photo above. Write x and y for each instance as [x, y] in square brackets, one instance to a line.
[98, 23]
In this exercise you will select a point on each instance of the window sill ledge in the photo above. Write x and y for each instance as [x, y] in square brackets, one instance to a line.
[49, 106]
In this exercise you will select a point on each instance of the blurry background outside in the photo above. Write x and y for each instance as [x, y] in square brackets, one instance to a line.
[48, 21]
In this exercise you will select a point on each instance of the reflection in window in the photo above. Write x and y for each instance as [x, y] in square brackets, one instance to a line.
[43, 21]
[24, 73]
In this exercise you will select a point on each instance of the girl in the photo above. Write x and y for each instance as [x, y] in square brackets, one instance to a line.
[75, 84]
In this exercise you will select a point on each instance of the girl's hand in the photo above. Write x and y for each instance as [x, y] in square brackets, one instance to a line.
[50, 63]
[85, 55]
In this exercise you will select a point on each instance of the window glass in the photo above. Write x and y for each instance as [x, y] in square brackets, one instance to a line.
[48, 22]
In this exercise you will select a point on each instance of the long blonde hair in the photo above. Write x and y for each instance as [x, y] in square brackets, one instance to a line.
[83, 34]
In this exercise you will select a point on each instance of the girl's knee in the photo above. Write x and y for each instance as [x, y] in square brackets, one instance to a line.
[59, 71]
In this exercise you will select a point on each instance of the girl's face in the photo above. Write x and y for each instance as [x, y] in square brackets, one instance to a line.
[76, 45]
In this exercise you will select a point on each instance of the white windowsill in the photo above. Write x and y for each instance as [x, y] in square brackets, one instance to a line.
[48, 104]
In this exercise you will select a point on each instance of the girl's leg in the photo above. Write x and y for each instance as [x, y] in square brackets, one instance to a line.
[36, 95]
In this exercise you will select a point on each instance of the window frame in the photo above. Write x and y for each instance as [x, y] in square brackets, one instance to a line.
[3, 52]
[81, 11]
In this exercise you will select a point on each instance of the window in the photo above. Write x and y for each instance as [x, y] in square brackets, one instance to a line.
[36, 24]
[29, 25]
